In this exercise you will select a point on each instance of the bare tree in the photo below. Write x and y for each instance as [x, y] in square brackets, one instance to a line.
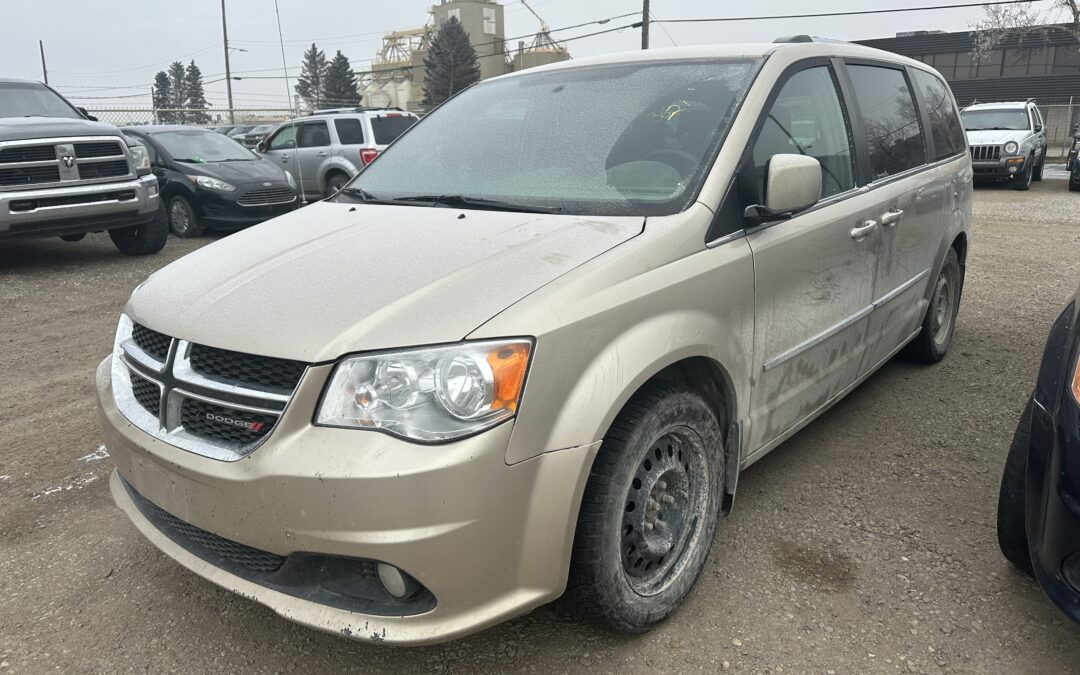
[1023, 19]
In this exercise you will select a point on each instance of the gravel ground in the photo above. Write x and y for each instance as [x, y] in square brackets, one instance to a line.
[864, 544]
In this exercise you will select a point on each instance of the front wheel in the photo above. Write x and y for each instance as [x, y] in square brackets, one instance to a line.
[142, 239]
[935, 337]
[649, 511]
[182, 219]
[1011, 528]
[1023, 181]
[1037, 175]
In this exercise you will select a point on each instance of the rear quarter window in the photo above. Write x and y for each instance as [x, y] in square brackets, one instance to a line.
[386, 129]
[893, 132]
[945, 127]
[350, 131]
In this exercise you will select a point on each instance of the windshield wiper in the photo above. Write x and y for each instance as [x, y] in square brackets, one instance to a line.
[461, 201]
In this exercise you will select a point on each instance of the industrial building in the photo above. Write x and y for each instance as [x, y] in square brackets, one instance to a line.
[397, 74]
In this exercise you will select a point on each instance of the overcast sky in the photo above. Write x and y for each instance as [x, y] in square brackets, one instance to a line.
[109, 49]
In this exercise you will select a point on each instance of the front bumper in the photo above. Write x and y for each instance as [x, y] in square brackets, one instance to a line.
[79, 208]
[223, 211]
[488, 540]
[1000, 168]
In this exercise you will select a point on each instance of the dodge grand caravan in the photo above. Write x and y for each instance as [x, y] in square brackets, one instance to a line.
[531, 348]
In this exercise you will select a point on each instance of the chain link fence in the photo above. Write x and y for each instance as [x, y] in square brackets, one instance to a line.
[214, 117]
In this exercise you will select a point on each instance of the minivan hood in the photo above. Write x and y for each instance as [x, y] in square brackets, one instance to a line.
[995, 137]
[238, 173]
[334, 278]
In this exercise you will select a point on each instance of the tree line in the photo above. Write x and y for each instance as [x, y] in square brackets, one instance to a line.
[178, 95]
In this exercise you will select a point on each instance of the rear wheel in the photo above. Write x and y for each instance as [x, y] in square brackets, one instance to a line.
[182, 219]
[935, 337]
[649, 511]
[1011, 527]
[142, 239]
[334, 183]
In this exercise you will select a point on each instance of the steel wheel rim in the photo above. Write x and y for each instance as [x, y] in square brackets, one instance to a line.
[179, 216]
[663, 513]
[943, 314]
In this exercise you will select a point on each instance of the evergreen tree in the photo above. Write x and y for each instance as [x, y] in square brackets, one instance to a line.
[162, 97]
[312, 82]
[196, 98]
[340, 84]
[450, 64]
[178, 92]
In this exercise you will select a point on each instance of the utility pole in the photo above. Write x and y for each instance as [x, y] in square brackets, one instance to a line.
[644, 24]
[228, 74]
[44, 71]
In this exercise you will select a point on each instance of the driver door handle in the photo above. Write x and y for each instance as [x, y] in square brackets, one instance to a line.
[860, 232]
[284, 158]
[320, 154]
[892, 217]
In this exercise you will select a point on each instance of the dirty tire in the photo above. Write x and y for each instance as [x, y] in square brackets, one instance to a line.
[1011, 528]
[142, 239]
[662, 462]
[1074, 187]
[183, 220]
[1023, 181]
[334, 183]
[933, 341]
[1037, 175]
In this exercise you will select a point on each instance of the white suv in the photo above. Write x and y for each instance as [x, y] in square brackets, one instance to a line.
[1007, 141]
[327, 148]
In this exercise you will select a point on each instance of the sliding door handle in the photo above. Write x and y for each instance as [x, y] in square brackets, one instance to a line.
[892, 217]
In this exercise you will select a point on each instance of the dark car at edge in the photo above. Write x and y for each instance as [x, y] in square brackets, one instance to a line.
[211, 181]
[1039, 504]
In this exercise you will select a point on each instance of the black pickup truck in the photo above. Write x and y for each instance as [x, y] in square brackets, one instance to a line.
[64, 174]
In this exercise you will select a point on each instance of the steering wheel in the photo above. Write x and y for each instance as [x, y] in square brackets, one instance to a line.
[682, 161]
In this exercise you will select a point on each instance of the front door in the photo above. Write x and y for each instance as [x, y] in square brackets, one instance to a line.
[281, 148]
[813, 273]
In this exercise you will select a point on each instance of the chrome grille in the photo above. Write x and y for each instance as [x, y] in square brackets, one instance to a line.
[985, 153]
[213, 402]
[61, 162]
[263, 196]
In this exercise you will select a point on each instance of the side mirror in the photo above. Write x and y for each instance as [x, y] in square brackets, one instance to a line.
[792, 184]
[1038, 127]
[84, 113]
[260, 147]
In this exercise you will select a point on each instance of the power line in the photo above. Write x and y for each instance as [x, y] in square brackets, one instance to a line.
[855, 12]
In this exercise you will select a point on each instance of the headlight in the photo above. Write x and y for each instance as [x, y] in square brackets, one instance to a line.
[428, 394]
[1075, 388]
[1011, 147]
[292, 181]
[212, 183]
[140, 158]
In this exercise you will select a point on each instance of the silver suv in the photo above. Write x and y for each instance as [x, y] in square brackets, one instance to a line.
[325, 150]
[531, 349]
[1007, 141]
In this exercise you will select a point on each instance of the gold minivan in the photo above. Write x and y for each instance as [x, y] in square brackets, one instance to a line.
[530, 349]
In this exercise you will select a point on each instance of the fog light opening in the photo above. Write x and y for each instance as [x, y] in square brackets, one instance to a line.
[392, 580]
[1012, 169]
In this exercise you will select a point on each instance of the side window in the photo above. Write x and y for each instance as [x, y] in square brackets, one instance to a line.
[314, 135]
[349, 131]
[945, 126]
[893, 133]
[284, 138]
[807, 119]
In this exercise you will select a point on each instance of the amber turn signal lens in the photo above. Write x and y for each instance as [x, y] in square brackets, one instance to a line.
[1076, 382]
[508, 364]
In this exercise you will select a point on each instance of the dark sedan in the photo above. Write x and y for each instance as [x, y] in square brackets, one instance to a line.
[1039, 503]
[209, 180]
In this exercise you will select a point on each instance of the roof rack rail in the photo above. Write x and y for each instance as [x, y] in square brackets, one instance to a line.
[353, 109]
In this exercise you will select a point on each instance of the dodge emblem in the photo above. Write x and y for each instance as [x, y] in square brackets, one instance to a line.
[68, 161]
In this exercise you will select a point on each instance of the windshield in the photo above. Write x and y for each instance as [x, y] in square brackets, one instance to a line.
[388, 128]
[202, 147]
[623, 139]
[30, 99]
[261, 129]
[1011, 119]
